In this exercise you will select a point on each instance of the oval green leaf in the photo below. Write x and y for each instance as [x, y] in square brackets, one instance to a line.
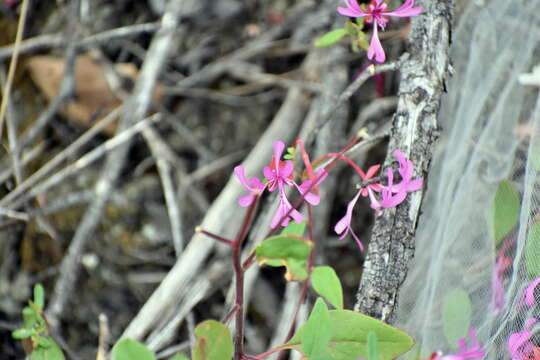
[213, 341]
[51, 352]
[456, 314]
[294, 229]
[532, 249]
[325, 282]
[350, 337]
[39, 296]
[23, 333]
[504, 210]
[290, 251]
[129, 349]
[331, 37]
[317, 332]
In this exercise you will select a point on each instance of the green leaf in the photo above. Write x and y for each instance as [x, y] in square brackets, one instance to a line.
[45, 341]
[50, 352]
[504, 210]
[290, 251]
[129, 349]
[317, 332]
[23, 333]
[39, 296]
[213, 341]
[351, 28]
[326, 283]
[532, 249]
[373, 346]
[362, 41]
[291, 151]
[179, 357]
[350, 337]
[456, 314]
[294, 229]
[331, 37]
[360, 22]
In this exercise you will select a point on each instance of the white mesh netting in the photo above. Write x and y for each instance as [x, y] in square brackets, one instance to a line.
[490, 133]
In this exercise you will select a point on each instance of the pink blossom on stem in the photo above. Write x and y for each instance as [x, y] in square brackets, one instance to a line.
[343, 226]
[254, 186]
[519, 344]
[279, 175]
[406, 170]
[391, 194]
[376, 14]
[474, 351]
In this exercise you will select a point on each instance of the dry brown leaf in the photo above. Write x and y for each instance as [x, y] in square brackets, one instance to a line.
[93, 99]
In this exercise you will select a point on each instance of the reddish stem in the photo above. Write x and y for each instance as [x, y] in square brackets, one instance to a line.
[303, 292]
[274, 350]
[214, 236]
[350, 162]
[239, 276]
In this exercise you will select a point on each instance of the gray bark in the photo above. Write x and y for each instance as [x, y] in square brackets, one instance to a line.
[415, 130]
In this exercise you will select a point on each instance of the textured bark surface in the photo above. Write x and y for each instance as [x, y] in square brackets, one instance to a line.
[415, 130]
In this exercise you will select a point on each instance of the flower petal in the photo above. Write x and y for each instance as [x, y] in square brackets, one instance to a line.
[279, 146]
[529, 292]
[345, 221]
[246, 200]
[375, 48]
[414, 185]
[405, 10]
[286, 169]
[372, 171]
[239, 171]
[352, 9]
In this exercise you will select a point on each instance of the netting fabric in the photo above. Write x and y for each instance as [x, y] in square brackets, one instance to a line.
[491, 133]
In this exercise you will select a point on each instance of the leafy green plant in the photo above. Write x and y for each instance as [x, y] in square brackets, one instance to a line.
[35, 331]
[129, 349]
[346, 335]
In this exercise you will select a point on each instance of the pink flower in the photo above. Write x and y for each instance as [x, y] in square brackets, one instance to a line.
[343, 226]
[529, 292]
[279, 175]
[474, 351]
[255, 186]
[497, 288]
[519, 344]
[406, 170]
[391, 195]
[376, 14]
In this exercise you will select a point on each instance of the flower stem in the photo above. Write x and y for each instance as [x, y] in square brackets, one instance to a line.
[239, 276]
[214, 236]
[274, 350]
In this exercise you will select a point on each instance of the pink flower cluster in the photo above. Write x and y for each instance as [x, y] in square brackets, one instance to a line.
[279, 176]
[376, 14]
[520, 346]
[390, 195]
[474, 351]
